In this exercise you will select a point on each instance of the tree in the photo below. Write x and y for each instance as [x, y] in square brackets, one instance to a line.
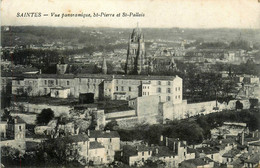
[45, 116]
[111, 125]
[239, 105]
[6, 115]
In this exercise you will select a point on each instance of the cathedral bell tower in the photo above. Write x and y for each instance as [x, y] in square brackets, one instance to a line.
[135, 53]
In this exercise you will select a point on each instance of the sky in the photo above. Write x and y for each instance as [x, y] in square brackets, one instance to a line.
[157, 13]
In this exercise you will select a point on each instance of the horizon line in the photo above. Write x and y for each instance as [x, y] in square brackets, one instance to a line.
[130, 27]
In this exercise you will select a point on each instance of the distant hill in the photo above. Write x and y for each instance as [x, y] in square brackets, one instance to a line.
[22, 35]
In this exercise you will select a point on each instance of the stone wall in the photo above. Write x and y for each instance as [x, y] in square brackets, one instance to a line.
[37, 108]
[28, 118]
[184, 110]
[126, 122]
[120, 114]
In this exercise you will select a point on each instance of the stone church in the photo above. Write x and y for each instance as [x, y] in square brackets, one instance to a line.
[135, 61]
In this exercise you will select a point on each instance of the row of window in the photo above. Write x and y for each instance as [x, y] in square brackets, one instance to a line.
[51, 82]
[91, 80]
[123, 88]
[168, 83]
[159, 90]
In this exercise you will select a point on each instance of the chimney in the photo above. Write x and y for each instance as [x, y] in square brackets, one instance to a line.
[166, 141]
[88, 132]
[156, 150]
[40, 71]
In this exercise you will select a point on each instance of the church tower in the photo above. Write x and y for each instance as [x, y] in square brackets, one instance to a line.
[61, 67]
[135, 53]
[104, 66]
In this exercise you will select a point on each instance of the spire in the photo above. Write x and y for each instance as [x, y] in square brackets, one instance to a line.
[104, 66]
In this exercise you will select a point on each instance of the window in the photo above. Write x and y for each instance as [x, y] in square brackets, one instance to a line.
[56, 82]
[148, 93]
[68, 82]
[20, 128]
[110, 140]
[159, 90]
[168, 98]
[45, 90]
[142, 159]
[179, 88]
[117, 88]
[142, 153]
[149, 152]
[169, 82]
[129, 89]
[116, 81]
[45, 82]
[159, 82]
[169, 90]
[122, 88]
[179, 96]
[175, 89]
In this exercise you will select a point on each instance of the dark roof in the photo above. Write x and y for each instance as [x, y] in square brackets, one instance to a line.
[199, 161]
[255, 143]
[19, 120]
[255, 158]
[129, 150]
[143, 147]
[97, 76]
[207, 150]
[163, 151]
[231, 154]
[191, 150]
[104, 134]
[95, 145]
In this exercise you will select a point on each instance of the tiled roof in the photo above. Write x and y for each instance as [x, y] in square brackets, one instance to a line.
[104, 134]
[95, 145]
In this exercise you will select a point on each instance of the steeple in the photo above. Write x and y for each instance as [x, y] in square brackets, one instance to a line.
[104, 66]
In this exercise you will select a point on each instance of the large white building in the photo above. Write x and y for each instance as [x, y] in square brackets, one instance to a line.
[115, 87]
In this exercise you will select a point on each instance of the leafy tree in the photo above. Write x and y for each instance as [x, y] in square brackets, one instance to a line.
[45, 116]
[111, 125]
[239, 105]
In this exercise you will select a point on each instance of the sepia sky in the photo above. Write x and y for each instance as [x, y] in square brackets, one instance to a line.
[158, 13]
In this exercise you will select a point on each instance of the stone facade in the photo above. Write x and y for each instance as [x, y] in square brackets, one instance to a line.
[119, 87]
[135, 61]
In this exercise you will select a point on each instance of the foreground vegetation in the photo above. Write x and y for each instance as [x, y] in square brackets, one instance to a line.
[193, 130]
